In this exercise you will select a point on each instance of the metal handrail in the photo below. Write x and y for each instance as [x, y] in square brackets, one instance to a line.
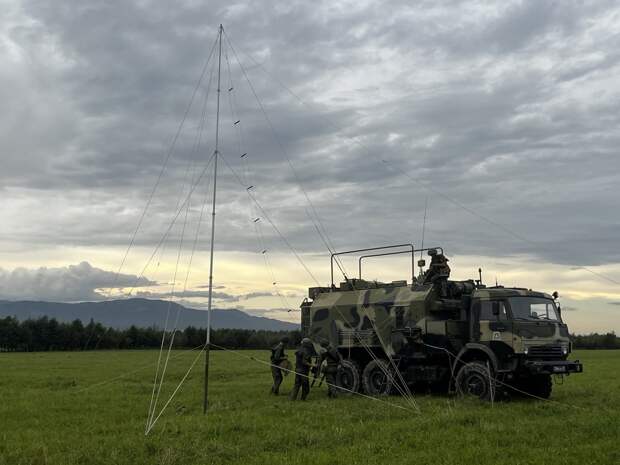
[400, 252]
[397, 253]
[373, 248]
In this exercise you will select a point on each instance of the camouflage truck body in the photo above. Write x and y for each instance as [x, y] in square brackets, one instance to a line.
[441, 333]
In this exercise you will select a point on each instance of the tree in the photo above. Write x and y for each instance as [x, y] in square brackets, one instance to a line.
[49, 334]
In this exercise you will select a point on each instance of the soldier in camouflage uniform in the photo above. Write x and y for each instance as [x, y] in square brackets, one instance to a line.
[438, 268]
[277, 357]
[303, 363]
[333, 361]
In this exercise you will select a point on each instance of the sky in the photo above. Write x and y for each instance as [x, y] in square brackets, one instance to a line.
[339, 123]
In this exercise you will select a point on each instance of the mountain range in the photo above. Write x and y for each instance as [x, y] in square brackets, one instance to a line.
[140, 312]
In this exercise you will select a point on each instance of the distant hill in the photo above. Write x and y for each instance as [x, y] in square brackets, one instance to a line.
[139, 312]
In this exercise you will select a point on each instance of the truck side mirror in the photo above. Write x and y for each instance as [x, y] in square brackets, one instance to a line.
[495, 308]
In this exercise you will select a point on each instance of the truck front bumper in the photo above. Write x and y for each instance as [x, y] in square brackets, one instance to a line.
[553, 367]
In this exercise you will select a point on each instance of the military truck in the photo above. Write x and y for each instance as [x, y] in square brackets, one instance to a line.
[437, 333]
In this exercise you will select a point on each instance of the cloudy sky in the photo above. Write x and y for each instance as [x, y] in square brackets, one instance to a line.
[503, 116]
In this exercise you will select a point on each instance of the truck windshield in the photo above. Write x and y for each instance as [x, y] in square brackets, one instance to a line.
[533, 308]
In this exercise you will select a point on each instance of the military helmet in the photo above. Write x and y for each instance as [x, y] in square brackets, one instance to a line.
[306, 342]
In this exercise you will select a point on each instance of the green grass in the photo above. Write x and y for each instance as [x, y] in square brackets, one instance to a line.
[52, 411]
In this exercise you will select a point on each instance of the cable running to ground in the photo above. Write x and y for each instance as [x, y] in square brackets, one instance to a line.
[189, 370]
[263, 362]
[173, 332]
[163, 168]
[316, 219]
[164, 237]
[254, 219]
[273, 225]
[142, 368]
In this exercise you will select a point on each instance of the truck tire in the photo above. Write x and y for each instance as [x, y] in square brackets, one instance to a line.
[377, 378]
[348, 377]
[473, 380]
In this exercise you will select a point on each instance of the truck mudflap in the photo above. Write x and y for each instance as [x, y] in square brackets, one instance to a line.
[553, 367]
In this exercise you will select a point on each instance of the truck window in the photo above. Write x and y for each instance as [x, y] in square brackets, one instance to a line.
[533, 308]
[486, 311]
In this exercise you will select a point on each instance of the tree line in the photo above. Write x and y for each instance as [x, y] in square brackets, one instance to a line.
[596, 341]
[46, 334]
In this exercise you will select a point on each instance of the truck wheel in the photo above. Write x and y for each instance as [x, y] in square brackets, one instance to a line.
[348, 377]
[377, 378]
[473, 380]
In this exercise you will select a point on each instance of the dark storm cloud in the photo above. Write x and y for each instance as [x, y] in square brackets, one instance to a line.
[508, 107]
[66, 284]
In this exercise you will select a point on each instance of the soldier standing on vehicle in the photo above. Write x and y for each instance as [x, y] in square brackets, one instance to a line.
[303, 363]
[277, 357]
[333, 361]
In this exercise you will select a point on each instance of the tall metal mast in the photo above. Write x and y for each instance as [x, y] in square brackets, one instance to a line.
[421, 261]
[216, 153]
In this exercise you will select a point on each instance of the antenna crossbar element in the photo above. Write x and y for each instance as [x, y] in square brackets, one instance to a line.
[400, 252]
[347, 252]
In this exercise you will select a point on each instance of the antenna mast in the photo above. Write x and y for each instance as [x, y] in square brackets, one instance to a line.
[421, 262]
[215, 155]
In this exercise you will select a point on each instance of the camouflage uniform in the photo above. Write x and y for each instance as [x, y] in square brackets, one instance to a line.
[277, 357]
[302, 370]
[332, 359]
[438, 269]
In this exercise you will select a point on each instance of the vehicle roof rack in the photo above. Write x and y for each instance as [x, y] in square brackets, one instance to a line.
[410, 249]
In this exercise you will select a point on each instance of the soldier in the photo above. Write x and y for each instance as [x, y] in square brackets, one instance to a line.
[333, 361]
[438, 267]
[277, 357]
[438, 271]
[302, 369]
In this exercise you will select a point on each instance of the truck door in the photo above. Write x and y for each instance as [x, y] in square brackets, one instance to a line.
[490, 323]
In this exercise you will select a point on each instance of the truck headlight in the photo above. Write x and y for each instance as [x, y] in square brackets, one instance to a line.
[564, 350]
[526, 350]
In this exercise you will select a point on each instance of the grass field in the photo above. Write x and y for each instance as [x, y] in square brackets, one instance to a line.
[64, 408]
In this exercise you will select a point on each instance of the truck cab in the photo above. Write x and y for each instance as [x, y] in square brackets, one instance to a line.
[523, 329]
